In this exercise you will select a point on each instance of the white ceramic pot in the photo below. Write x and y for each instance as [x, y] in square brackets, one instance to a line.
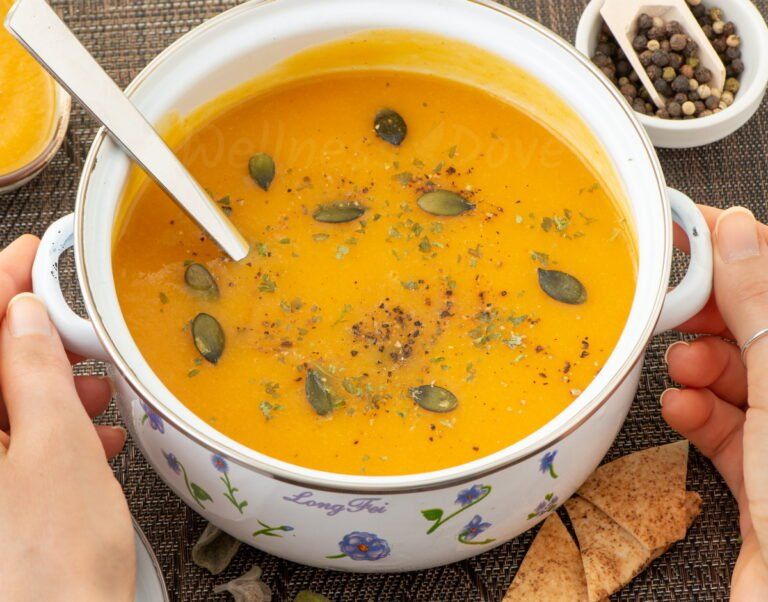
[362, 523]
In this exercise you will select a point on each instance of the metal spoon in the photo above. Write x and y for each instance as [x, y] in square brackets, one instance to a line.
[49, 40]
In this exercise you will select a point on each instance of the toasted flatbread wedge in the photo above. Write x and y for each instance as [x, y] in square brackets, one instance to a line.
[611, 555]
[552, 570]
[644, 492]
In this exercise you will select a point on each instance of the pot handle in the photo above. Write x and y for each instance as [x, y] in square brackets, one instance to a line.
[77, 333]
[691, 295]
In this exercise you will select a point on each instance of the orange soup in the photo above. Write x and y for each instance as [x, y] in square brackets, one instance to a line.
[434, 274]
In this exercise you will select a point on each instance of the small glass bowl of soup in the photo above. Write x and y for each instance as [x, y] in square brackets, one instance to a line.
[35, 113]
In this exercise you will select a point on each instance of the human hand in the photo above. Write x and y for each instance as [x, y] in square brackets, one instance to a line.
[65, 528]
[95, 392]
[723, 407]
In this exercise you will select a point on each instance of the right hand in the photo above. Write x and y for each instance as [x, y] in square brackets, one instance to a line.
[723, 407]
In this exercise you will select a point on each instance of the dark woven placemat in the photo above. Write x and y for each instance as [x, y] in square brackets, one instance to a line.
[124, 35]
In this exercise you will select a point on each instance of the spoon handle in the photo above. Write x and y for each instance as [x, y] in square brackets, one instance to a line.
[39, 29]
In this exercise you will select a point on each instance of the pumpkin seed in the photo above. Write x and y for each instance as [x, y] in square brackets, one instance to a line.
[562, 287]
[318, 395]
[338, 212]
[200, 279]
[306, 595]
[208, 337]
[390, 126]
[262, 170]
[434, 398]
[444, 203]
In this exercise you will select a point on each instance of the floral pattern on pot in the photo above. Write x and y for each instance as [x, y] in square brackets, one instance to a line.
[155, 422]
[199, 494]
[545, 506]
[360, 545]
[271, 531]
[547, 463]
[474, 528]
[466, 499]
[220, 464]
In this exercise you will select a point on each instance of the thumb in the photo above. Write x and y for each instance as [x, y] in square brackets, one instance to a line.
[741, 290]
[37, 383]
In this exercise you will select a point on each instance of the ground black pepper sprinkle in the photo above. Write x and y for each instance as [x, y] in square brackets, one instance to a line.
[671, 61]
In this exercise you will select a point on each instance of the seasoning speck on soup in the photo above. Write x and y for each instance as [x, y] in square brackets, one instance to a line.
[434, 275]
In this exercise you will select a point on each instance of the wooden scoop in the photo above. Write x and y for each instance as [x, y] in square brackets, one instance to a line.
[621, 18]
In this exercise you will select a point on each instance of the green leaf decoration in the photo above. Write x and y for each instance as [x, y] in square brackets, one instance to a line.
[432, 514]
[200, 493]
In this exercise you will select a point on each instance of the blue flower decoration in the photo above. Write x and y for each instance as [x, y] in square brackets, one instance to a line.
[545, 506]
[219, 463]
[173, 462]
[287, 528]
[155, 421]
[359, 545]
[467, 496]
[475, 527]
[547, 463]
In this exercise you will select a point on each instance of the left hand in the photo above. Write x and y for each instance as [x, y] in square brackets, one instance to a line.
[65, 528]
[94, 391]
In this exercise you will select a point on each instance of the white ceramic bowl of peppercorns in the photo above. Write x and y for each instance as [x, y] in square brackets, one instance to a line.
[695, 112]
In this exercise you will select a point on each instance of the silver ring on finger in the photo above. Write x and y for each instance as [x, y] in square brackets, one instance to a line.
[751, 341]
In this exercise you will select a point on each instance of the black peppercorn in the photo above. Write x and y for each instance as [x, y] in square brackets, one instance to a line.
[645, 57]
[732, 53]
[735, 68]
[606, 48]
[662, 86]
[654, 72]
[639, 42]
[644, 22]
[729, 29]
[660, 58]
[680, 84]
[698, 11]
[719, 44]
[702, 75]
[623, 68]
[628, 90]
[674, 109]
[712, 102]
[601, 60]
[655, 33]
[690, 48]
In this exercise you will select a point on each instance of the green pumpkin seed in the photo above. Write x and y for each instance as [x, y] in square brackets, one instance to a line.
[444, 203]
[390, 126]
[208, 337]
[434, 398]
[318, 396]
[306, 595]
[262, 170]
[339, 212]
[200, 279]
[562, 287]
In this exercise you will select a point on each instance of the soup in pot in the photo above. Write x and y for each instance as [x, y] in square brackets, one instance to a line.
[434, 274]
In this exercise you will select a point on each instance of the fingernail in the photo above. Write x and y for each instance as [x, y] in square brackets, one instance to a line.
[111, 382]
[672, 346]
[120, 429]
[736, 234]
[661, 397]
[27, 316]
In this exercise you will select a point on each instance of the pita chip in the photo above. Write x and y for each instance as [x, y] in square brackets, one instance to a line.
[611, 555]
[552, 569]
[644, 493]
